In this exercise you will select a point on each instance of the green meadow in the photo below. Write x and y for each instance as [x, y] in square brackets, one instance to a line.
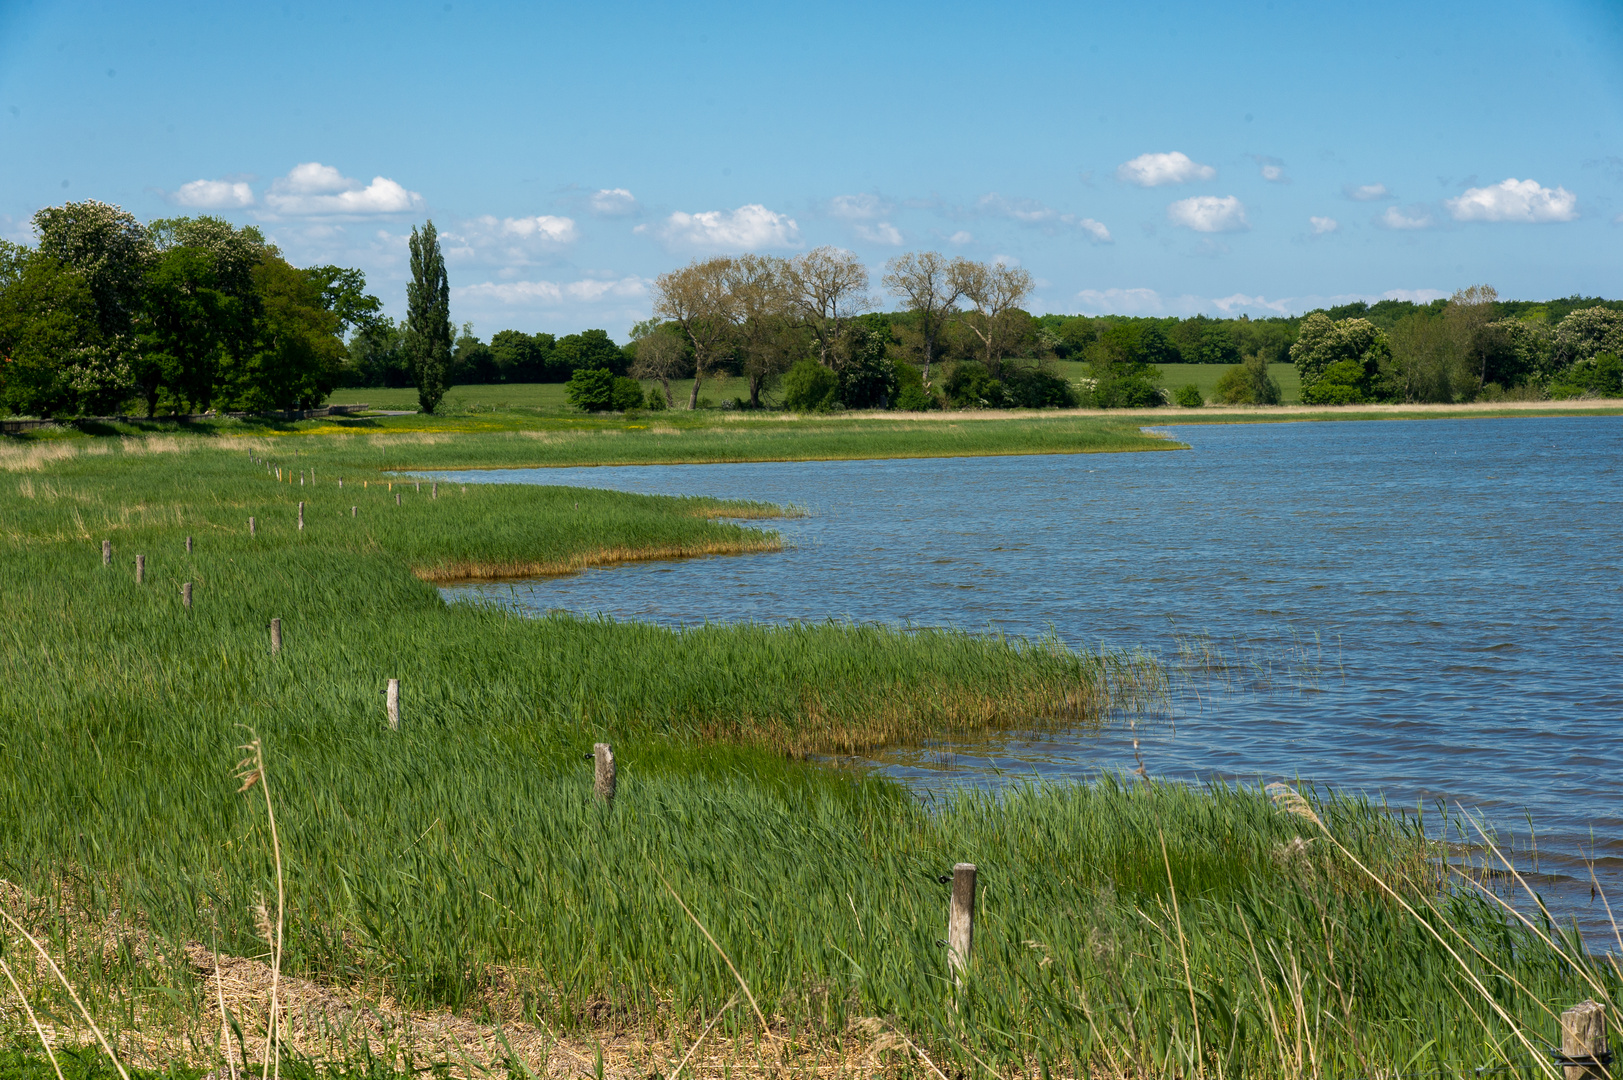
[739, 883]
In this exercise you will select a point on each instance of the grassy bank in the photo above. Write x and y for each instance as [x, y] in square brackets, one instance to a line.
[460, 867]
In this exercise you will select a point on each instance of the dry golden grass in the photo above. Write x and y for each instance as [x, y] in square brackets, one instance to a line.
[512, 569]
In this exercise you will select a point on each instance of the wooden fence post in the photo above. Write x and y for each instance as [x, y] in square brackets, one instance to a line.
[397, 498]
[352, 511]
[140, 569]
[1583, 1042]
[186, 595]
[107, 553]
[391, 701]
[604, 781]
[276, 636]
[188, 545]
[301, 517]
[961, 921]
[251, 529]
[434, 492]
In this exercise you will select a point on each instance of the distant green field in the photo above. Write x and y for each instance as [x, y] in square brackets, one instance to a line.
[544, 397]
[1204, 376]
[549, 397]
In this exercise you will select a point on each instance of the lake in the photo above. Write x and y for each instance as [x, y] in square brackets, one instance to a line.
[1424, 610]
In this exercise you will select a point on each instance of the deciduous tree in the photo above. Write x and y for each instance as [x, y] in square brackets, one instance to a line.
[930, 285]
[827, 286]
[996, 292]
[698, 299]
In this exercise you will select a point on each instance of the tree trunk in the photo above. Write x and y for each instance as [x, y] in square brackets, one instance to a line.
[756, 379]
[693, 398]
[670, 402]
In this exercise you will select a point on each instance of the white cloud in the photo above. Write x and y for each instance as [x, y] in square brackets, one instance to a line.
[1322, 225]
[1121, 301]
[1209, 214]
[882, 233]
[1414, 296]
[1153, 170]
[553, 293]
[1415, 217]
[1029, 211]
[858, 207]
[508, 241]
[961, 237]
[1366, 192]
[613, 202]
[1514, 200]
[215, 195]
[1097, 233]
[745, 229]
[315, 190]
[1239, 301]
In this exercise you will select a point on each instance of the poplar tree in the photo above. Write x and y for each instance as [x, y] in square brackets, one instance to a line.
[428, 317]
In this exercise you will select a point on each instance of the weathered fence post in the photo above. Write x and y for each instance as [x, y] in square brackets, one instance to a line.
[251, 528]
[397, 498]
[961, 920]
[604, 781]
[107, 553]
[340, 481]
[301, 517]
[188, 545]
[276, 636]
[419, 485]
[391, 701]
[434, 492]
[186, 595]
[140, 569]
[352, 511]
[1583, 1042]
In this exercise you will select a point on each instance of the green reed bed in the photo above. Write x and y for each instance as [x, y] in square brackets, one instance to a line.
[462, 863]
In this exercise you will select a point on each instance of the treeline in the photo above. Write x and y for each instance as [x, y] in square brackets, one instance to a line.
[186, 314]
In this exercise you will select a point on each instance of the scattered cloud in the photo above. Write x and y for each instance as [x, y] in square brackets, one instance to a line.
[882, 232]
[316, 190]
[1514, 200]
[214, 195]
[1415, 217]
[961, 237]
[1322, 225]
[1154, 170]
[863, 207]
[749, 227]
[1121, 301]
[1272, 169]
[1149, 302]
[509, 241]
[553, 293]
[1028, 211]
[1366, 192]
[1209, 214]
[613, 203]
[1095, 230]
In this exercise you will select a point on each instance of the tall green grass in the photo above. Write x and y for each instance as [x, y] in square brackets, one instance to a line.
[462, 863]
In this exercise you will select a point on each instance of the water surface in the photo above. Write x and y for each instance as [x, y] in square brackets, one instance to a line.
[1424, 610]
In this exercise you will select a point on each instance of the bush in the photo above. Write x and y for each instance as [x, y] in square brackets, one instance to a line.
[1125, 392]
[1342, 383]
[971, 386]
[655, 401]
[867, 377]
[911, 396]
[1188, 396]
[1248, 383]
[1035, 388]
[1600, 377]
[627, 394]
[600, 390]
[810, 387]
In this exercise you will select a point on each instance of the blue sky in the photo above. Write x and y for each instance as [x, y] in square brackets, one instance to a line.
[1137, 158]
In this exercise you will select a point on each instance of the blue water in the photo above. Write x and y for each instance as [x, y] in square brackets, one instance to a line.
[1427, 611]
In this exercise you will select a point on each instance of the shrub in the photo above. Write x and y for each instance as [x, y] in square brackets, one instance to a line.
[1188, 396]
[1601, 377]
[627, 394]
[810, 387]
[1036, 388]
[971, 386]
[911, 396]
[1248, 383]
[591, 389]
[867, 376]
[1346, 382]
[1124, 392]
[655, 401]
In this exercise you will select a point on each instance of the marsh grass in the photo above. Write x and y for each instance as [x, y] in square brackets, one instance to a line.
[459, 871]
